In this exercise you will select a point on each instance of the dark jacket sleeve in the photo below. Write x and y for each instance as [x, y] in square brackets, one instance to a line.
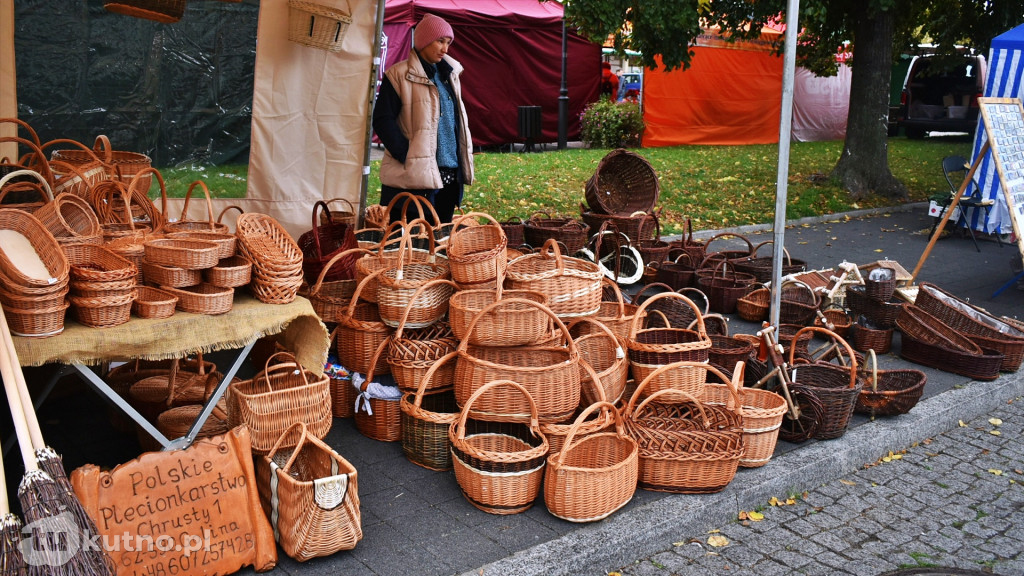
[385, 121]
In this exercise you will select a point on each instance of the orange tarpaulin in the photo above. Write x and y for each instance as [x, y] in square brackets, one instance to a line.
[727, 96]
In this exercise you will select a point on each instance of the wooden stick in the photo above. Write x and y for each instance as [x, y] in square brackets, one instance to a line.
[949, 210]
[31, 419]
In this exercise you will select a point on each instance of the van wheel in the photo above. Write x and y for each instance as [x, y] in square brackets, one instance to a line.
[914, 133]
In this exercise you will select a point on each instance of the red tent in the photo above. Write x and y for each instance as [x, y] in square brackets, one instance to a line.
[512, 52]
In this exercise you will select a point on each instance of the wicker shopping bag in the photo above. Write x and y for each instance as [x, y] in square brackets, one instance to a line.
[283, 393]
[311, 496]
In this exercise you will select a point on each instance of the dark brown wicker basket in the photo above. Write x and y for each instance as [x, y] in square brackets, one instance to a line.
[880, 313]
[623, 184]
[864, 338]
[889, 392]
[984, 366]
[571, 233]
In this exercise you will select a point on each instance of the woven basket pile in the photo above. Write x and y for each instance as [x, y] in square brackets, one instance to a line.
[32, 291]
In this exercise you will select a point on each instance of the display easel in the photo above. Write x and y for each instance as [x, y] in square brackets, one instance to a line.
[1003, 120]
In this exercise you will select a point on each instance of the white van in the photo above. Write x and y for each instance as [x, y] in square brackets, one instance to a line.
[938, 99]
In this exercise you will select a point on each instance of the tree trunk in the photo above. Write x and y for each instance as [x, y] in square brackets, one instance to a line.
[863, 168]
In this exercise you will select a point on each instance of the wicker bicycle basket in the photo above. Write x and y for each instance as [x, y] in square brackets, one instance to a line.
[624, 183]
[499, 465]
[685, 445]
[311, 495]
[595, 474]
[275, 398]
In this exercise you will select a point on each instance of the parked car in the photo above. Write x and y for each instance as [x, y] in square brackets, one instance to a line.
[938, 98]
[630, 85]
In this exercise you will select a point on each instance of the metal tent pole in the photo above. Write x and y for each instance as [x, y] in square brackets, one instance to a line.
[782, 178]
[371, 100]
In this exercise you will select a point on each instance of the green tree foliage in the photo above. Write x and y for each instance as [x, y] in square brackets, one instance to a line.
[882, 29]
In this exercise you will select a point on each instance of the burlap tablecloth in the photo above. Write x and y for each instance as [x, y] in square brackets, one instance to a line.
[185, 334]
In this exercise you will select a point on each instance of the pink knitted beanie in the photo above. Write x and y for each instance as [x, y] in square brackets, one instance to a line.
[431, 28]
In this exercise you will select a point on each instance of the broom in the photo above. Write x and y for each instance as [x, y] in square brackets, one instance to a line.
[11, 562]
[43, 498]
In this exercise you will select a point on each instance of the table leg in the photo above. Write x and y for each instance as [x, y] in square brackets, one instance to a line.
[186, 440]
[103, 388]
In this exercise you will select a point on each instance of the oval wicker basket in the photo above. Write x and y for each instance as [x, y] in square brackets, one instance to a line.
[623, 184]
[203, 298]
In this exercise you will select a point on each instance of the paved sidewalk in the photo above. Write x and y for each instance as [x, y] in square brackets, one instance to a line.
[954, 500]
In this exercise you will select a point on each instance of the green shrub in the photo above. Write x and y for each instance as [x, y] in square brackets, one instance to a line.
[605, 124]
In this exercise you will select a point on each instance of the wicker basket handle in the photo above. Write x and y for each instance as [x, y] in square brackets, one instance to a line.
[619, 301]
[753, 253]
[649, 286]
[424, 204]
[872, 360]
[25, 125]
[102, 148]
[188, 197]
[814, 295]
[469, 217]
[750, 247]
[303, 434]
[421, 389]
[634, 326]
[220, 217]
[459, 426]
[716, 316]
[359, 289]
[674, 396]
[71, 175]
[42, 165]
[268, 369]
[44, 190]
[405, 197]
[698, 292]
[103, 199]
[81, 148]
[551, 250]
[416, 294]
[573, 351]
[156, 218]
[318, 285]
[609, 411]
[605, 331]
[836, 338]
[374, 359]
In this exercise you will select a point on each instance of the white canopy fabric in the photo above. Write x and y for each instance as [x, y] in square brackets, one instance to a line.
[309, 115]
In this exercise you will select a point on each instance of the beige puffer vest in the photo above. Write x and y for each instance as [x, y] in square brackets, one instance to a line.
[418, 121]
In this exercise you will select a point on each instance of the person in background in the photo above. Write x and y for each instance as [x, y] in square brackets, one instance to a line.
[609, 82]
[420, 118]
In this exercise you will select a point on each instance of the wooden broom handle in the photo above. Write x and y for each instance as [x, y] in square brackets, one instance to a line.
[29, 411]
[14, 399]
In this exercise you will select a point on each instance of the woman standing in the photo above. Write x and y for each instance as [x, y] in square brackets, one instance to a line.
[421, 120]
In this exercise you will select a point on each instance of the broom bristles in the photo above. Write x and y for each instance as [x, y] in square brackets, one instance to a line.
[11, 562]
[53, 536]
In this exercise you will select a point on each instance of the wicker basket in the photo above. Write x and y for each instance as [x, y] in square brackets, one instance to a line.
[360, 332]
[593, 475]
[880, 284]
[762, 412]
[510, 323]
[864, 338]
[317, 25]
[311, 496]
[571, 233]
[617, 314]
[636, 226]
[276, 258]
[102, 311]
[761, 266]
[427, 416]
[412, 352]
[378, 412]
[277, 397]
[387, 256]
[677, 274]
[90, 262]
[154, 303]
[834, 318]
[798, 303]
[727, 351]
[231, 272]
[712, 258]
[184, 253]
[70, 218]
[184, 224]
[499, 465]
[922, 326]
[321, 243]
[725, 289]
[685, 445]
[476, 253]
[623, 184]
[331, 298]
[203, 298]
[889, 392]
[983, 328]
[48, 250]
[601, 350]
[755, 304]
[881, 313]
[549, 373]
[651, 350]
[399, 293]
[573, 285]
[982, 366]
[837, 388]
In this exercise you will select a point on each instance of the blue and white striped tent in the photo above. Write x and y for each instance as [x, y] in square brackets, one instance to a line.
[1004, 80]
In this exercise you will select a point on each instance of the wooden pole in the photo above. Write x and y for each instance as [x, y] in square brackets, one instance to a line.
[8, 79]
[956, 201]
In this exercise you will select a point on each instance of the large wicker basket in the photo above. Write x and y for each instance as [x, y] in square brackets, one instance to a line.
[762, 412]
[499, 465]
[426, 417]
[573, 285]
[651, 350]
[623, 184]
[835, 386]
[276, 398]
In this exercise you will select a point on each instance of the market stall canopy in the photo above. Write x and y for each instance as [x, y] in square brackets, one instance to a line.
[1005, 72]
[511, 50]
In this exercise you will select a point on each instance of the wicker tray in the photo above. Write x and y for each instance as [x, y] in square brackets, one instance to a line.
[186, 253]
[154, 303]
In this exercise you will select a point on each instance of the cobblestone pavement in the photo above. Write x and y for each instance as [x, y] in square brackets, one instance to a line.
[956, 501]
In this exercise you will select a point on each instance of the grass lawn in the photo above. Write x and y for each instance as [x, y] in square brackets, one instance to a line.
[715, 186]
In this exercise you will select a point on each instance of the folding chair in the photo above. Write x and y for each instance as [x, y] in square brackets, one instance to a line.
[955, 169]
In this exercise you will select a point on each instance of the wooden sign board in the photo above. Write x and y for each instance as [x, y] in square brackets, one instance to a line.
[1004, 126]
